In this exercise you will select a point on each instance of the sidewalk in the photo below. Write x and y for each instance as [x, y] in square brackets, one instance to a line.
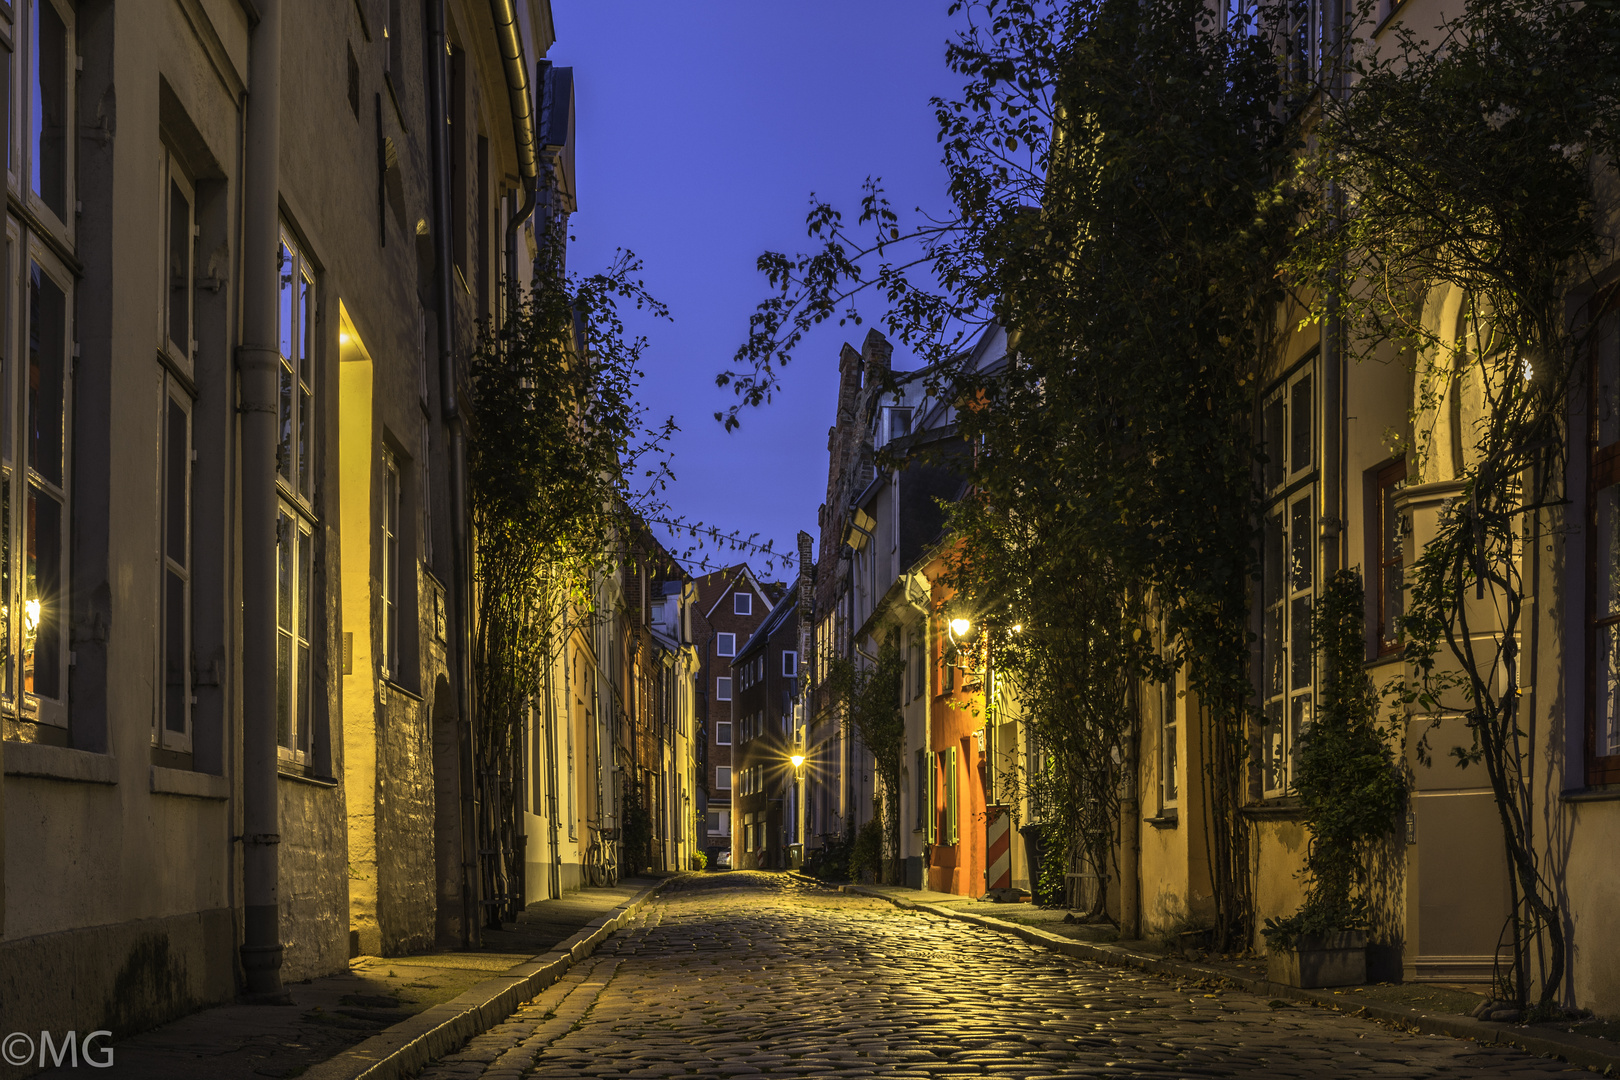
[1424, 1008]
[331, 1015]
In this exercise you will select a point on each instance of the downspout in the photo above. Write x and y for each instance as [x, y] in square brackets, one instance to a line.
[523, 128]
[258, 362]
[1334, 511]
[439, 146]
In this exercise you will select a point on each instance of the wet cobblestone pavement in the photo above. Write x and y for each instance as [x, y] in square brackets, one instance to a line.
[745, 974]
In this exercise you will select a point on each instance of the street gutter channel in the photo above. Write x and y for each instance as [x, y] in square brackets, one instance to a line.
[410, 1045]
[1582, 1050]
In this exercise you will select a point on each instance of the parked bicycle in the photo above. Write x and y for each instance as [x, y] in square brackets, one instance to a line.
[602, 858]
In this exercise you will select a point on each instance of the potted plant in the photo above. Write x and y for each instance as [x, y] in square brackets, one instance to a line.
[1350, 795]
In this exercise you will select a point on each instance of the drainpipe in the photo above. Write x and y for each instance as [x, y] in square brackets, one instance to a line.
[258, 364]
[520, 98]
[439, 140]
[1334, 515]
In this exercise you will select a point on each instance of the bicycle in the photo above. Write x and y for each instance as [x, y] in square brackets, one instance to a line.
[602, 858]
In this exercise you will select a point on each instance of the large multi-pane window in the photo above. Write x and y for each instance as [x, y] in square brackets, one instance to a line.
[295, 523]
[36, 358]
[1386, 580]
[1288, 568]
[1603, 560]
[1169, 725]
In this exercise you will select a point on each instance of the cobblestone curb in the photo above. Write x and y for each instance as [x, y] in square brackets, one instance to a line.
[405, 1049]
[1583, 1050]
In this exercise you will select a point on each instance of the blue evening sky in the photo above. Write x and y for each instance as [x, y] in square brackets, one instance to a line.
[702, 128]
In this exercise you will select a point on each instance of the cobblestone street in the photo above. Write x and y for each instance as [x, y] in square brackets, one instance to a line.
[746, 974]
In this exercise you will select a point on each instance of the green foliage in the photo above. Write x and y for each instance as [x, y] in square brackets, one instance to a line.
[869, 700]
[635, 831]
[1350, 791]
[700, 860]
[1470, 165]
[866, 853]
[555, 435]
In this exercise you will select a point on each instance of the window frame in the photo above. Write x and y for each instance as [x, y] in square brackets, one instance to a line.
[1382, 482]
[1169, 747]
[952, 796]
[742, 603]
[790, 664]
[1603, 474]
[174, 395]
[301, 601]
[722, 688]
[297, 348]
[1288, 516]
[723, 642]
[722, 733]
[174, 174]
[722, 777]
[62, 227]
[388, 526]
[52, 711]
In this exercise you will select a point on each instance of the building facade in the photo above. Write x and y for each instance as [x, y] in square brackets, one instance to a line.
[764, 792]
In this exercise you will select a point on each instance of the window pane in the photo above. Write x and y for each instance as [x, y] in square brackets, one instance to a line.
[176, 465]
[1606, 557]
[1607, 391]
[50, 108]
[1300, 417]
[42, 585]
[1301, 564]
[174, 653]
[1275, 448]
[722, 734]
[306, 327]
[1300, 642]
[304, 697]
[47, 341]
[284, 448]
[5, 100]
[179, 268]
[1607, 686]
[286, 266]
[1271, 747]
[284, 689]
[304, 433]
[304, 560]
[284, 573]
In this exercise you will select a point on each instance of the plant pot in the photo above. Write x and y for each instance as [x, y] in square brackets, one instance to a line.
[1320, 961]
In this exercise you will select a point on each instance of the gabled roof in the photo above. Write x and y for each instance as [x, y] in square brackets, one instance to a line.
[788, 605]
[740, 574]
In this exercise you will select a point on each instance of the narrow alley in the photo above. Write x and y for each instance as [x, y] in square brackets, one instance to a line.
[751, 973]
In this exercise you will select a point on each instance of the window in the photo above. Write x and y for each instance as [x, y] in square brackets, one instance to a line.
[179, 198]
[49, 88]
[722, 689]
[725, 644]
[1603, 561]
[393, 41]
[899, 423]
[722, 777]
[1170, 714]
[38, 486]
[1288, 542]
[294, 604]
[174, 545]
[948, 759]
[922, 792]
[388, 523]
[1386, 531]
[722, 733]
[914, 666]
[742, 603]
[425, 499]
[790, 664]
[296, 318]
[719, 822]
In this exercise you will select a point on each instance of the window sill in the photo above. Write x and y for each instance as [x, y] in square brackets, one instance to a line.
[59, 763]
[286, 772]
[1166, 819]
[195, 785]
[1286, 808]
[1608, 793]
[1396, 657]
[404, 691]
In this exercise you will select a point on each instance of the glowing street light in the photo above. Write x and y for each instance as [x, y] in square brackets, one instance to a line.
[960, 627]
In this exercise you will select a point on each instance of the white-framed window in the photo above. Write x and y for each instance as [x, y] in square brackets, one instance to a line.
[790, 664]
[742, 603]
[722, 777]
[40, 396]
[720, 822]
[722, 689]
[722, 733]
[1288, 563]
[388, 540]
[725, 644]
[898, 422]
[178, 215]
[1169, 716]
[47, 102]
[948, 760]
[174, 553]
[294, 619]
[295, 452]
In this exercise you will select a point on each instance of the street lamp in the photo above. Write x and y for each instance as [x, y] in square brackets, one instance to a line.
[960, 627]
[796, 756]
